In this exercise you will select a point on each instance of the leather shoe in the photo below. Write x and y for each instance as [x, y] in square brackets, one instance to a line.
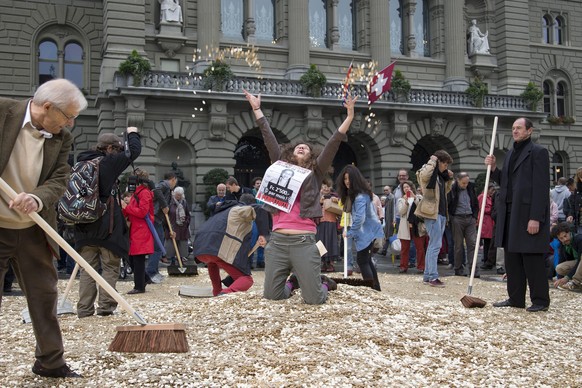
[506, 303]
[135, 291]
[486, 266]
[534, 308]
[63, 371]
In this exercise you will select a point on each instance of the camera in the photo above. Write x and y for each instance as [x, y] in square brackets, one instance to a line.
[132, 182]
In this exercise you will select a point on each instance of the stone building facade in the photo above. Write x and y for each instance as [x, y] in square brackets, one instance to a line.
[199, 129]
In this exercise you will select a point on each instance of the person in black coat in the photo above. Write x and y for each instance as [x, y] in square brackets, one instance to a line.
[523, 217]
[102, 243]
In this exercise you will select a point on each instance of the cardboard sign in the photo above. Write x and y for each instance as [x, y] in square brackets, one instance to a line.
[281, 184]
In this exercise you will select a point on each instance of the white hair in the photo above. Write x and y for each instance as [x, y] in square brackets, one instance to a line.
[178, 190]
[60, 92]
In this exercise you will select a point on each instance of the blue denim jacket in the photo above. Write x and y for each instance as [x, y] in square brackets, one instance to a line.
[365, 224]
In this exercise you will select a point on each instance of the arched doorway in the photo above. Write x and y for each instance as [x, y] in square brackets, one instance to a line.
[176, 155]
[252, 159]
[427, 145]
[345, 155]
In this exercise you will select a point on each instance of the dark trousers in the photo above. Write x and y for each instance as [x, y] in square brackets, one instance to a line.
[28, 252]
[367, 268]
[525, 269]
[138, 265]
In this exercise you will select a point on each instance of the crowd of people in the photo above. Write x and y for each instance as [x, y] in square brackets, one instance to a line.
[295, 219]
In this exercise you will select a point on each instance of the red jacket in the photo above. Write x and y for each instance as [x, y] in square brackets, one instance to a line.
[488, 223]
[141, 241]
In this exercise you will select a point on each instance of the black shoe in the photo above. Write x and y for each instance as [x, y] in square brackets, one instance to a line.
[506, 303]
[331, 284]
[534, 308]
[260, 265]
[63, 371]
[486, 266]
[135, 291]
[500, 271]
[460, 273]
[105, 313]
[7, 290]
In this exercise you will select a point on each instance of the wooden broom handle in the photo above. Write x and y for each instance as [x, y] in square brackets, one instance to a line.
[173, 240]
[76, 256]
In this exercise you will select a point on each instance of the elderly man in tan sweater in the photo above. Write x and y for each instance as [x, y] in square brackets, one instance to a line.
[34, 147]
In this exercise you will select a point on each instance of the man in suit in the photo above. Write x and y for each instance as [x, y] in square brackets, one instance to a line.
[523, 223]
[34, 147]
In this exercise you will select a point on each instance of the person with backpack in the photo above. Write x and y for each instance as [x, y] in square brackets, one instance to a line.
[104, 241]
[35, 142]
[162, 199]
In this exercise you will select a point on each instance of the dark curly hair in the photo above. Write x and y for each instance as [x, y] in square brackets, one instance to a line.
[287, 155]
[358, 184]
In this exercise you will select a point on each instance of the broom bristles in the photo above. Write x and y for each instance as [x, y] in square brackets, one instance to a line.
[470, 302]
[355, 282]
[161, 338]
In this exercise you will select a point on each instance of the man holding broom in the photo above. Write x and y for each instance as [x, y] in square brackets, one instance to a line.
[34, 147]
[523, 224]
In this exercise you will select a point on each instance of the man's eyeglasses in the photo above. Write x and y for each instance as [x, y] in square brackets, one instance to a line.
[69, 118]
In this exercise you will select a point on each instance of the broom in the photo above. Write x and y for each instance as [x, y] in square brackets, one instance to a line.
[182, 269]
[160, 338]
[346, 280]
[470, 301]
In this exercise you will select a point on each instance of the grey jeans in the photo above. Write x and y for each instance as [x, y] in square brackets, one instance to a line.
[464, 232]
[298, 254]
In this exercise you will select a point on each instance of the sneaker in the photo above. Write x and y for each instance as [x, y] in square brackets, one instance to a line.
[331, 284]
[63, 371]
[571, 286]
[436, 283]
[425, 282]
[157, 278]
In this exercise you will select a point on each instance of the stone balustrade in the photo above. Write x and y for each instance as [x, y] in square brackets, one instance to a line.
[184, 81]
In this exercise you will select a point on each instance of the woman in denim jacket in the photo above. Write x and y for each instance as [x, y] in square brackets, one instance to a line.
[355, 193]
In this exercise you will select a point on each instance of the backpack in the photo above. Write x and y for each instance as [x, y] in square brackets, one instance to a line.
[81, 204]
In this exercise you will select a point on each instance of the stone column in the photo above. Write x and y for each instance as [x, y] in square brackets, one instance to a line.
[455, 49]
[333, 32]
[298, 39]
[380, 32]
[250, 26]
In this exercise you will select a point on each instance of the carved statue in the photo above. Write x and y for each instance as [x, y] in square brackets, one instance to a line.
[170, 11]
[478, 42]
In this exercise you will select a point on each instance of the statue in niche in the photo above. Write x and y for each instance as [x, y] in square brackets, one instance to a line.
[478, 42]
[170, 11]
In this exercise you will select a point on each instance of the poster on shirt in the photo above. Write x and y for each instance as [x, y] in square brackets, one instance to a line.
[281, 184]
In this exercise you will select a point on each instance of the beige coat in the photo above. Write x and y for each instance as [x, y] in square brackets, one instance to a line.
[431, 195]
[403, 207]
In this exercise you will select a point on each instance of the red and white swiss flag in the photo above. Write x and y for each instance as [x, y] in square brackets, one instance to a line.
[380, 84]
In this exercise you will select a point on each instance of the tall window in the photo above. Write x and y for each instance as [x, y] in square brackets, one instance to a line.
[561, 99]
[347, 24]
[547, 97]
[396, 27]
[546, 28]
[58, 56]
[231, 18]
[420, 28]
[317, 23]
[265, 19]
[559, 30]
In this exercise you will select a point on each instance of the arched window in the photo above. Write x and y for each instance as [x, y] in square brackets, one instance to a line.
[60, 54]
[547, 97]
[48, 61]
[231, 19]
[559, 28]
[546, 29]
[265, 19]
[347, 24]
[396, 46]
[74, 63]
[317, 23]
[561, 99]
